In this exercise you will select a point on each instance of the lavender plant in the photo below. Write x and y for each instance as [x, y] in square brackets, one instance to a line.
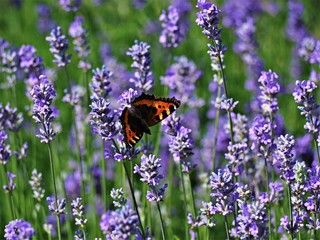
[235, 161]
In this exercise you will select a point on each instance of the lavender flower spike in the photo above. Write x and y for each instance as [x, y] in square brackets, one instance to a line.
[70, 5]
[119, 224]
[207, 19]
[43, 96]
[80, 41]
[149, 172]
[19, 229]
[171, 35]
[143, 78]
[59, 46]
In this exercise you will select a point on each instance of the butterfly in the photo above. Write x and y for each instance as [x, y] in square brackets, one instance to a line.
[145, 111]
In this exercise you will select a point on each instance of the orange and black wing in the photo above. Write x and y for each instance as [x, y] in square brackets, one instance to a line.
[132, 133]
[154, 109]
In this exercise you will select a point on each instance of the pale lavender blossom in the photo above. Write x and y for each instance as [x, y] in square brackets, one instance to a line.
[181, 78]
[45, 23]
[269, 89]
[10, 118]
[43, 96]
[252, 221]
[57, 207]
[149, 173]
[104, 120]
[180, 142]
[19, 229]
[171, 35]
[80, 42]
[37, 185]
[58, 47]
[143, 77]
[100, 84]
[304, 97]
[284, 159]
[70, 5]
[120, 224]
[310, 50]
[11, 186]
[5, 151]
[78, 212]
[118, 198]
[208, 20]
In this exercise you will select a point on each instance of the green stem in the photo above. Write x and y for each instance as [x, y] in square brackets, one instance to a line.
[193, 203]
[54, 189]
[161, 220]
[185, 200]
[226, 227]
[290, 209]
[103, 179]
[11, 201]
[216, 129]
[80, 158]
[133, 197]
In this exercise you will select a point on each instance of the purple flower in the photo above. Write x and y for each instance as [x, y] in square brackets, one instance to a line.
[59, 46]
[104, 120]
[19, 229]
[123, 152]
[268, 90]
[10, 118]
[58, 207]
[32, 65]
[149, 172]
[223, 191]
[252, 221]
[303, 149]
[171, 35]
[11, 186]
[207, 19]
[119, 224]
[139, 3]
[78, 212]
[9, 61]
[80, 41]
[143, 77]
[100, 84]
[181, 78]
[303, 96]
[45, 23]
[5, 152]
[74, 98]
[36, 185]
[70, 5]
[284, 158]
[72, 184]
[180, 142]
[43, 96]
[118, 198]
[310, 50]
[127, 97]
[297, 220]
[235, 157]
[295, 29]
[313, 187]
[260, 134]
[302, 93]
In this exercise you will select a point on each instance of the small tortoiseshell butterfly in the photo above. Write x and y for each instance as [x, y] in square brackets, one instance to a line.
[146, 111]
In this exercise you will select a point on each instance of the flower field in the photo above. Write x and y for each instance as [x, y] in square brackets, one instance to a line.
[176, 119]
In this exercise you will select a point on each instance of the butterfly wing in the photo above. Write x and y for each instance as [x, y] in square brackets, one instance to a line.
[133, 126]
[154, 109]
[146, 110]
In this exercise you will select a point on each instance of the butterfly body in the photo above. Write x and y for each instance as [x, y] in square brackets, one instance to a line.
[145, 111]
